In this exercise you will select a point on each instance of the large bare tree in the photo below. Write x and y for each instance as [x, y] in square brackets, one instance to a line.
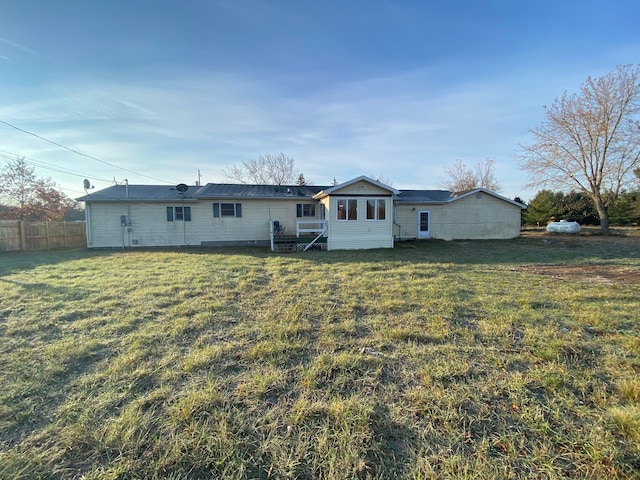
[462, 178]
[267, 169]
[589, 140]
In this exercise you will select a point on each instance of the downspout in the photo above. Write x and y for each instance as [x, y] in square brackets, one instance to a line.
[126, 196]
[273, 246]
[87, 220]
[123, 225]
[395, 216]
[129, 229]
[273, 249]
[184, 222]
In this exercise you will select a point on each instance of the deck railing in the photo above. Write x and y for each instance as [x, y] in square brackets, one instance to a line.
[320, 229]
[320, 226]
[280, 242]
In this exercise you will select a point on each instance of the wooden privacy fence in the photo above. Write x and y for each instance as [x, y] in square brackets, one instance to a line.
[20, 235]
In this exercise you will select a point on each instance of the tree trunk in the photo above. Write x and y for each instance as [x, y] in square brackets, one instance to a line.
[603, 213]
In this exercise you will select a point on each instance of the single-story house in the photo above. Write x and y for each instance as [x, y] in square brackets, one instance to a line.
[360, 213]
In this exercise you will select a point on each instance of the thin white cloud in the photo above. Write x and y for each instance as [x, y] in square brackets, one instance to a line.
[18, 46]
[400, 126]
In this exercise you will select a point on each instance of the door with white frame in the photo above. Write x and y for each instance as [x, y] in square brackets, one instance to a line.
[424, 224]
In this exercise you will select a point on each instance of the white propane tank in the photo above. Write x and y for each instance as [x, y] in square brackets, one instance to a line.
[563, 226]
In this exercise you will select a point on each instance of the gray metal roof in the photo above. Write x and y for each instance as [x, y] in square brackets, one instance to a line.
[165, 193]
[424, 196]
[234, 190]
[159, 193]
[148, 193]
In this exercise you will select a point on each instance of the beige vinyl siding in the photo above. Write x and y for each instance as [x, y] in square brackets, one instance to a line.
[103, 225]
[477, 216]
[480, 216]
[150, 228]
[407, 219]
[361, 187]
[360, 233]
[254, 223]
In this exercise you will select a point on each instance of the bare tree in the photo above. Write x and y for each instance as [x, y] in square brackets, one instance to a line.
[382, 179]
[589, 140]
[276, 169]
[486, 175]
[462, 178]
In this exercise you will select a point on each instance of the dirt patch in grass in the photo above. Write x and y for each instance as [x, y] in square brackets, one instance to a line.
[591, 240]
[586, 273]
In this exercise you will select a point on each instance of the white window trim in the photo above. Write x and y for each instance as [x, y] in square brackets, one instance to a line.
[237, 208]
[228, 204]
[375, 219]
[347, 219]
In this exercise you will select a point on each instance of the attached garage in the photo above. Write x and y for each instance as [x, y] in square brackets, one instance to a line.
[478, 214]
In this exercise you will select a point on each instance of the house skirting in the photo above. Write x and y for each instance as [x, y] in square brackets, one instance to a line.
[239, 243]
[290, 243]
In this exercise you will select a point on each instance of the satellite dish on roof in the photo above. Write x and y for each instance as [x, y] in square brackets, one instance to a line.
[87, 184]
[181, 187]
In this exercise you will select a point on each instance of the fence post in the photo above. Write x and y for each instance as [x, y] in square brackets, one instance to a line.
[64, 234]
[22, 234]
[46, 232]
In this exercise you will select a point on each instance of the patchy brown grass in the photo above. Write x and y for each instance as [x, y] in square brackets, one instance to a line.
[621, 239]
[431, 360]
[587, 273]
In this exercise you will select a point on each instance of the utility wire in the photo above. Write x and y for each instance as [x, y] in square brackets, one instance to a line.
[46, 166]
[80, 153]
[54, 168]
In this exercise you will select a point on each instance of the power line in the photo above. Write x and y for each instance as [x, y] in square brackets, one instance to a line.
[80, 153]
[54, 168]
[46, 166]
[74, 191]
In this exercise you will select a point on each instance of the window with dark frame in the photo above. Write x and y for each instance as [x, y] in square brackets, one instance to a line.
[227, 210]
[178, 214]
[305, 210]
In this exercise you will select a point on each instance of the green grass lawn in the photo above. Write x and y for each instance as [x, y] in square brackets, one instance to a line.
[431, 360]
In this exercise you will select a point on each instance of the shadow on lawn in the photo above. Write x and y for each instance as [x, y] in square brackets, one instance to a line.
[13, 262]
[524, 250]
[527, 249]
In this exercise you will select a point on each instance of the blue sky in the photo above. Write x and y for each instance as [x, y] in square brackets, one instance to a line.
[395, 89]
